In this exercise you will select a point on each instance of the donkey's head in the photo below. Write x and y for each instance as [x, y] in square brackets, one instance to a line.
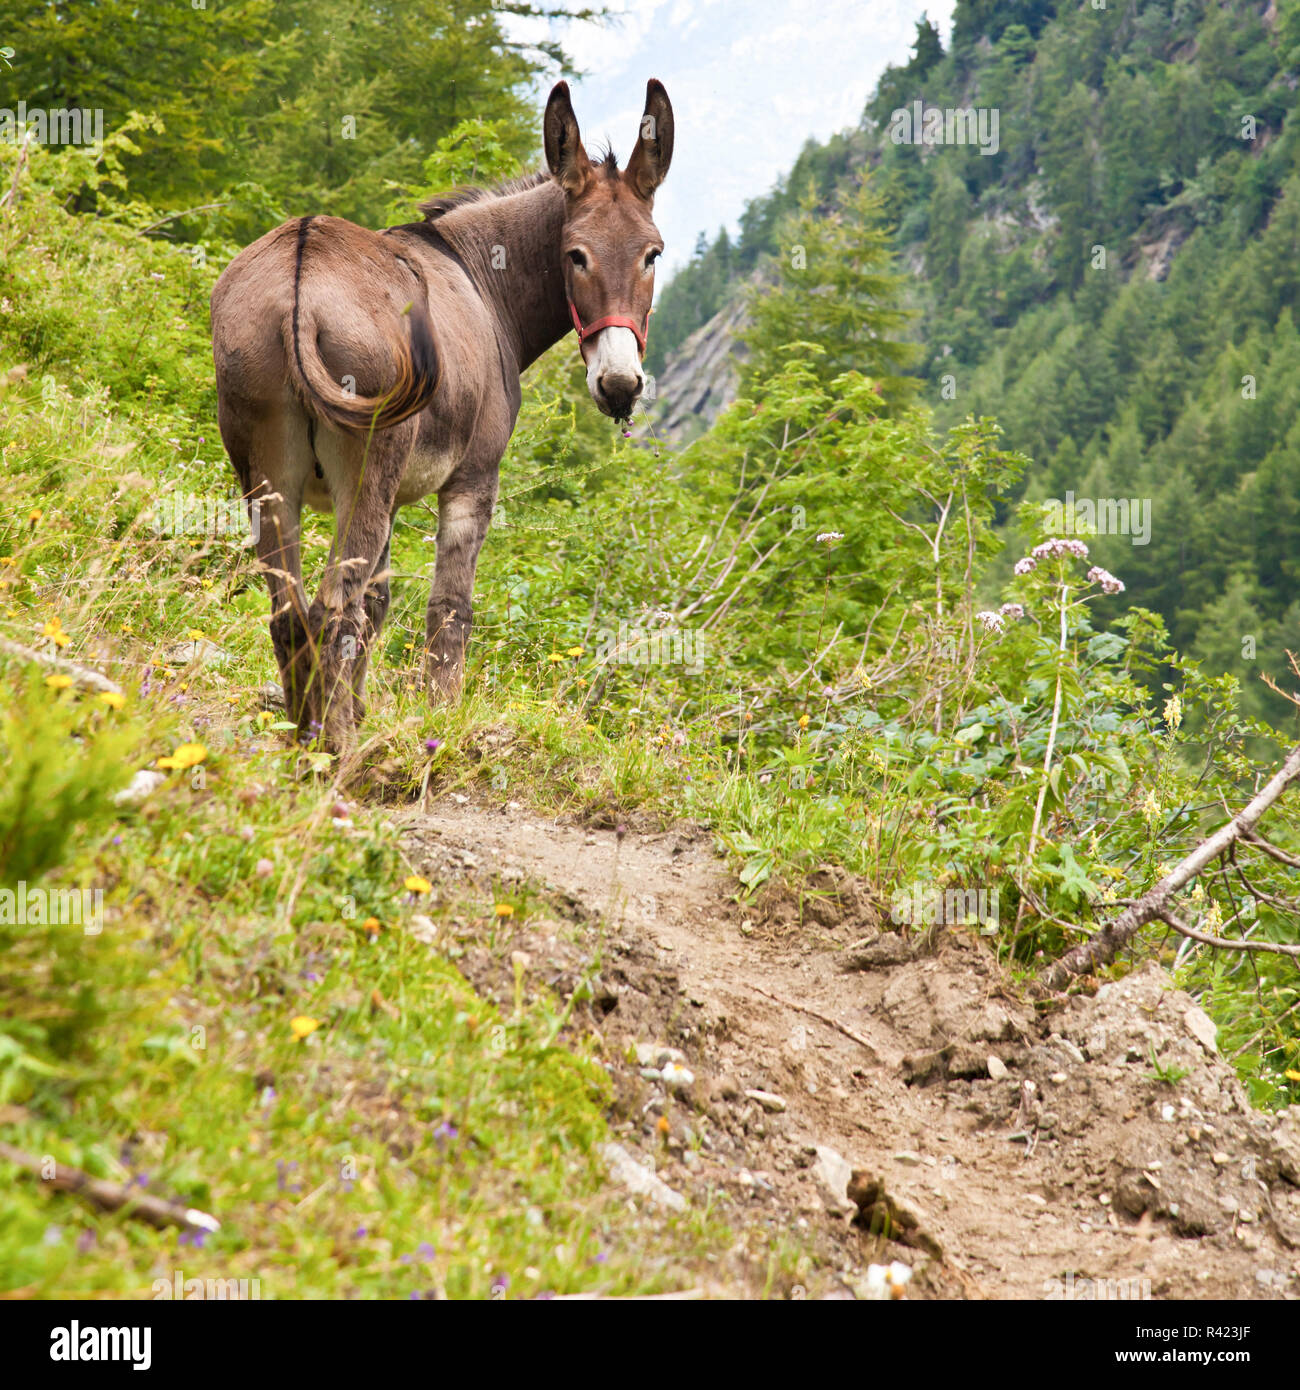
[610, 243]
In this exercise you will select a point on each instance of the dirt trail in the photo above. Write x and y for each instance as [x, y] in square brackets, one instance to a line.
[1028, 1154]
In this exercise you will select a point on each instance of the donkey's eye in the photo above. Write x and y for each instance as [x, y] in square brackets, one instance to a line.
[578, 259]
[651, 258]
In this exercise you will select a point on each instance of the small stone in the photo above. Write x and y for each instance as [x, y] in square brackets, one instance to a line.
[1220, 1159]
[1058, 1078]
[638, 1179]
[651, 1074]
[833, 1171]
[145, 782]
[909, 1158]
[1167, 1113]
[1202, 1027]
[997, 1068]
[769, 1100]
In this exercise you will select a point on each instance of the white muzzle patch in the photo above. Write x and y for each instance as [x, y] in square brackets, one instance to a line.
[614, 375]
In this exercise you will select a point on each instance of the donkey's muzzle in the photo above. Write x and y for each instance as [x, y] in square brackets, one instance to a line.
[618, 392]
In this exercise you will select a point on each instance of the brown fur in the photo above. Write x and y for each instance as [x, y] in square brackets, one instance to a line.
[358, 371]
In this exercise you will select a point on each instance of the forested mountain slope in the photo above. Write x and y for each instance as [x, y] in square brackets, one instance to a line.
[1117, 284]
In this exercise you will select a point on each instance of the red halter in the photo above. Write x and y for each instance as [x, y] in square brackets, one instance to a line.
[589, 330]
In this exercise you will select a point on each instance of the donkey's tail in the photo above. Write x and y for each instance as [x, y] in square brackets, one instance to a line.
[414, 354]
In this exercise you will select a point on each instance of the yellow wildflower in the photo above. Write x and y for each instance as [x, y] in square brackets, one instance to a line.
[54, 631]
[187, 755]
[114, 699]
[504, 910]
[59, 682]
[416, 884]
[1173, 711]
[302, 1026]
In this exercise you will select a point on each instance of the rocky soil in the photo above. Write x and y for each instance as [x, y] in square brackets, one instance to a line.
[862, 1097]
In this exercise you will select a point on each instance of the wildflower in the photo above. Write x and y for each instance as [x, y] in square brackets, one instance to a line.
[1150, 806]
[264, 868]
[991, 622]
[187, 755]
[34, 516]
[1173, 711]
[829, 538]
[371, 927]
[574, 651]
[114, 699]
[54, 631]
[415, 884]
[1014, 611]
[662, 1125]
[446, 1130]
[431, 745]
[504, 910]
[554, 657]
[303, 1026]
[1109, 584]
[803, 721]
[1213, 918]
[1059, 546]
[8, 561]
[59, 682]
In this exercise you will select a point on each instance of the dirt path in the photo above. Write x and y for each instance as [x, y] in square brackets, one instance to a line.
[1104, 1141]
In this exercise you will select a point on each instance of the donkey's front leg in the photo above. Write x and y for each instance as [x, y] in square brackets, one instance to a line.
[464, 513]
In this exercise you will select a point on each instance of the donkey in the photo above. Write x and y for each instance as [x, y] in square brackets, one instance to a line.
[359, 371]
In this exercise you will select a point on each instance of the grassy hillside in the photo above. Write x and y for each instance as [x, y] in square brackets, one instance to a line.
[776, 634]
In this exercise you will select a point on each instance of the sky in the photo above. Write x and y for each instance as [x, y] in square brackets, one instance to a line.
[750, 81]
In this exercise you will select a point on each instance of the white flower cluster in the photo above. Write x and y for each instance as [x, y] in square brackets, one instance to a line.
[991, 621]
[1109, 584]
[1059, 546]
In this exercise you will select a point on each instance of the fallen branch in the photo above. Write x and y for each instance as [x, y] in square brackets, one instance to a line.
[112, 1196]
[1106, 944]
[81, 674]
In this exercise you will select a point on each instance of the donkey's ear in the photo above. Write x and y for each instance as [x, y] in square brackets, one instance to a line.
[565, 157]
[648, 167]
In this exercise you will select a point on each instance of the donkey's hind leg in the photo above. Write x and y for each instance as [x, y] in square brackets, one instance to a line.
[272, 458]
[363, 476]
[377, 600]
